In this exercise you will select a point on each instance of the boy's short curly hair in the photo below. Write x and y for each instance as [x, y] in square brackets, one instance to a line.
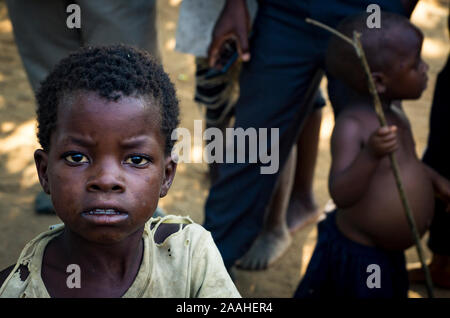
[110, 71]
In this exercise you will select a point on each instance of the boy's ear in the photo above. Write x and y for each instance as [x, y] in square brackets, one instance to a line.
[380, 81]
[170, 167]
[41, 161]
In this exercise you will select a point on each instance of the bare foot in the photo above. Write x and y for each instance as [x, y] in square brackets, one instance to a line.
[301, 213]
[265, 250]
[439, 270]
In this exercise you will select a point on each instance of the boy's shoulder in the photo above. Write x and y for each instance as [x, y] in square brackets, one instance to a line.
[358, 113]
[364, 117]
[355, 115]
[164, 227]
[355, 120]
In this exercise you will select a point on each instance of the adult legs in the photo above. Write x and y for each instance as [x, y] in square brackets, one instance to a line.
[294, 185]
[131, 22]
[271, 85]
[41, 35]
[302, 209]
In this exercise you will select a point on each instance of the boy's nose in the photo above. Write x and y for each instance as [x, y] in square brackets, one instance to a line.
[106, 179]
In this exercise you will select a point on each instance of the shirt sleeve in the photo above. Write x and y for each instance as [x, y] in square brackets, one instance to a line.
[210, 278]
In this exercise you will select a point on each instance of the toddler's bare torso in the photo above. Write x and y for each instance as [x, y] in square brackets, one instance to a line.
[378, 218]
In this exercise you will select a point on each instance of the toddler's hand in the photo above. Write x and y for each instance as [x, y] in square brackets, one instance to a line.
[383, 141]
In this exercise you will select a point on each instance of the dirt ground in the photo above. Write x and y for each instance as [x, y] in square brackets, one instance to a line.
[19, 183]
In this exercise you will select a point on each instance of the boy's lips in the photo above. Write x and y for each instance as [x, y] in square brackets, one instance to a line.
[105, 215]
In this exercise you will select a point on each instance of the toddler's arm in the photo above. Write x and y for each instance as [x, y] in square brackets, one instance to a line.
[353, 161]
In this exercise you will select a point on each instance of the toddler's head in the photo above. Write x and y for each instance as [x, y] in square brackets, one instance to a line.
[392, 52]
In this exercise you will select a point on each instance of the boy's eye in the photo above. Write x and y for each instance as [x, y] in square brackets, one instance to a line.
[137, 160]
[76, 158]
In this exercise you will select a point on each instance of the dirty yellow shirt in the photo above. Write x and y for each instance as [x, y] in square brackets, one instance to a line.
[192, 268]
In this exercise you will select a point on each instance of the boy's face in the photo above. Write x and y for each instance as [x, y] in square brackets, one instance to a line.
[106, 167]
[407, 79]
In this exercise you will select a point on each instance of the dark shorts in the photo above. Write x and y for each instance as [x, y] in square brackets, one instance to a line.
[343, 268]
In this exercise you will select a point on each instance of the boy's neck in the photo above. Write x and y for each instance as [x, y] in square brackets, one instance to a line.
[114, 260]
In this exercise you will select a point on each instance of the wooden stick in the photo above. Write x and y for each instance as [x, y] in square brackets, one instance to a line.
[356, 43]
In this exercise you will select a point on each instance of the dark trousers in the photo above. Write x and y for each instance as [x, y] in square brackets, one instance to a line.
[43, 37]
[286, 58]
[437, 157]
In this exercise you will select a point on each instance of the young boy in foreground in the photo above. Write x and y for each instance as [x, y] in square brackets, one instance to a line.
[360, 249]
[106, 115]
